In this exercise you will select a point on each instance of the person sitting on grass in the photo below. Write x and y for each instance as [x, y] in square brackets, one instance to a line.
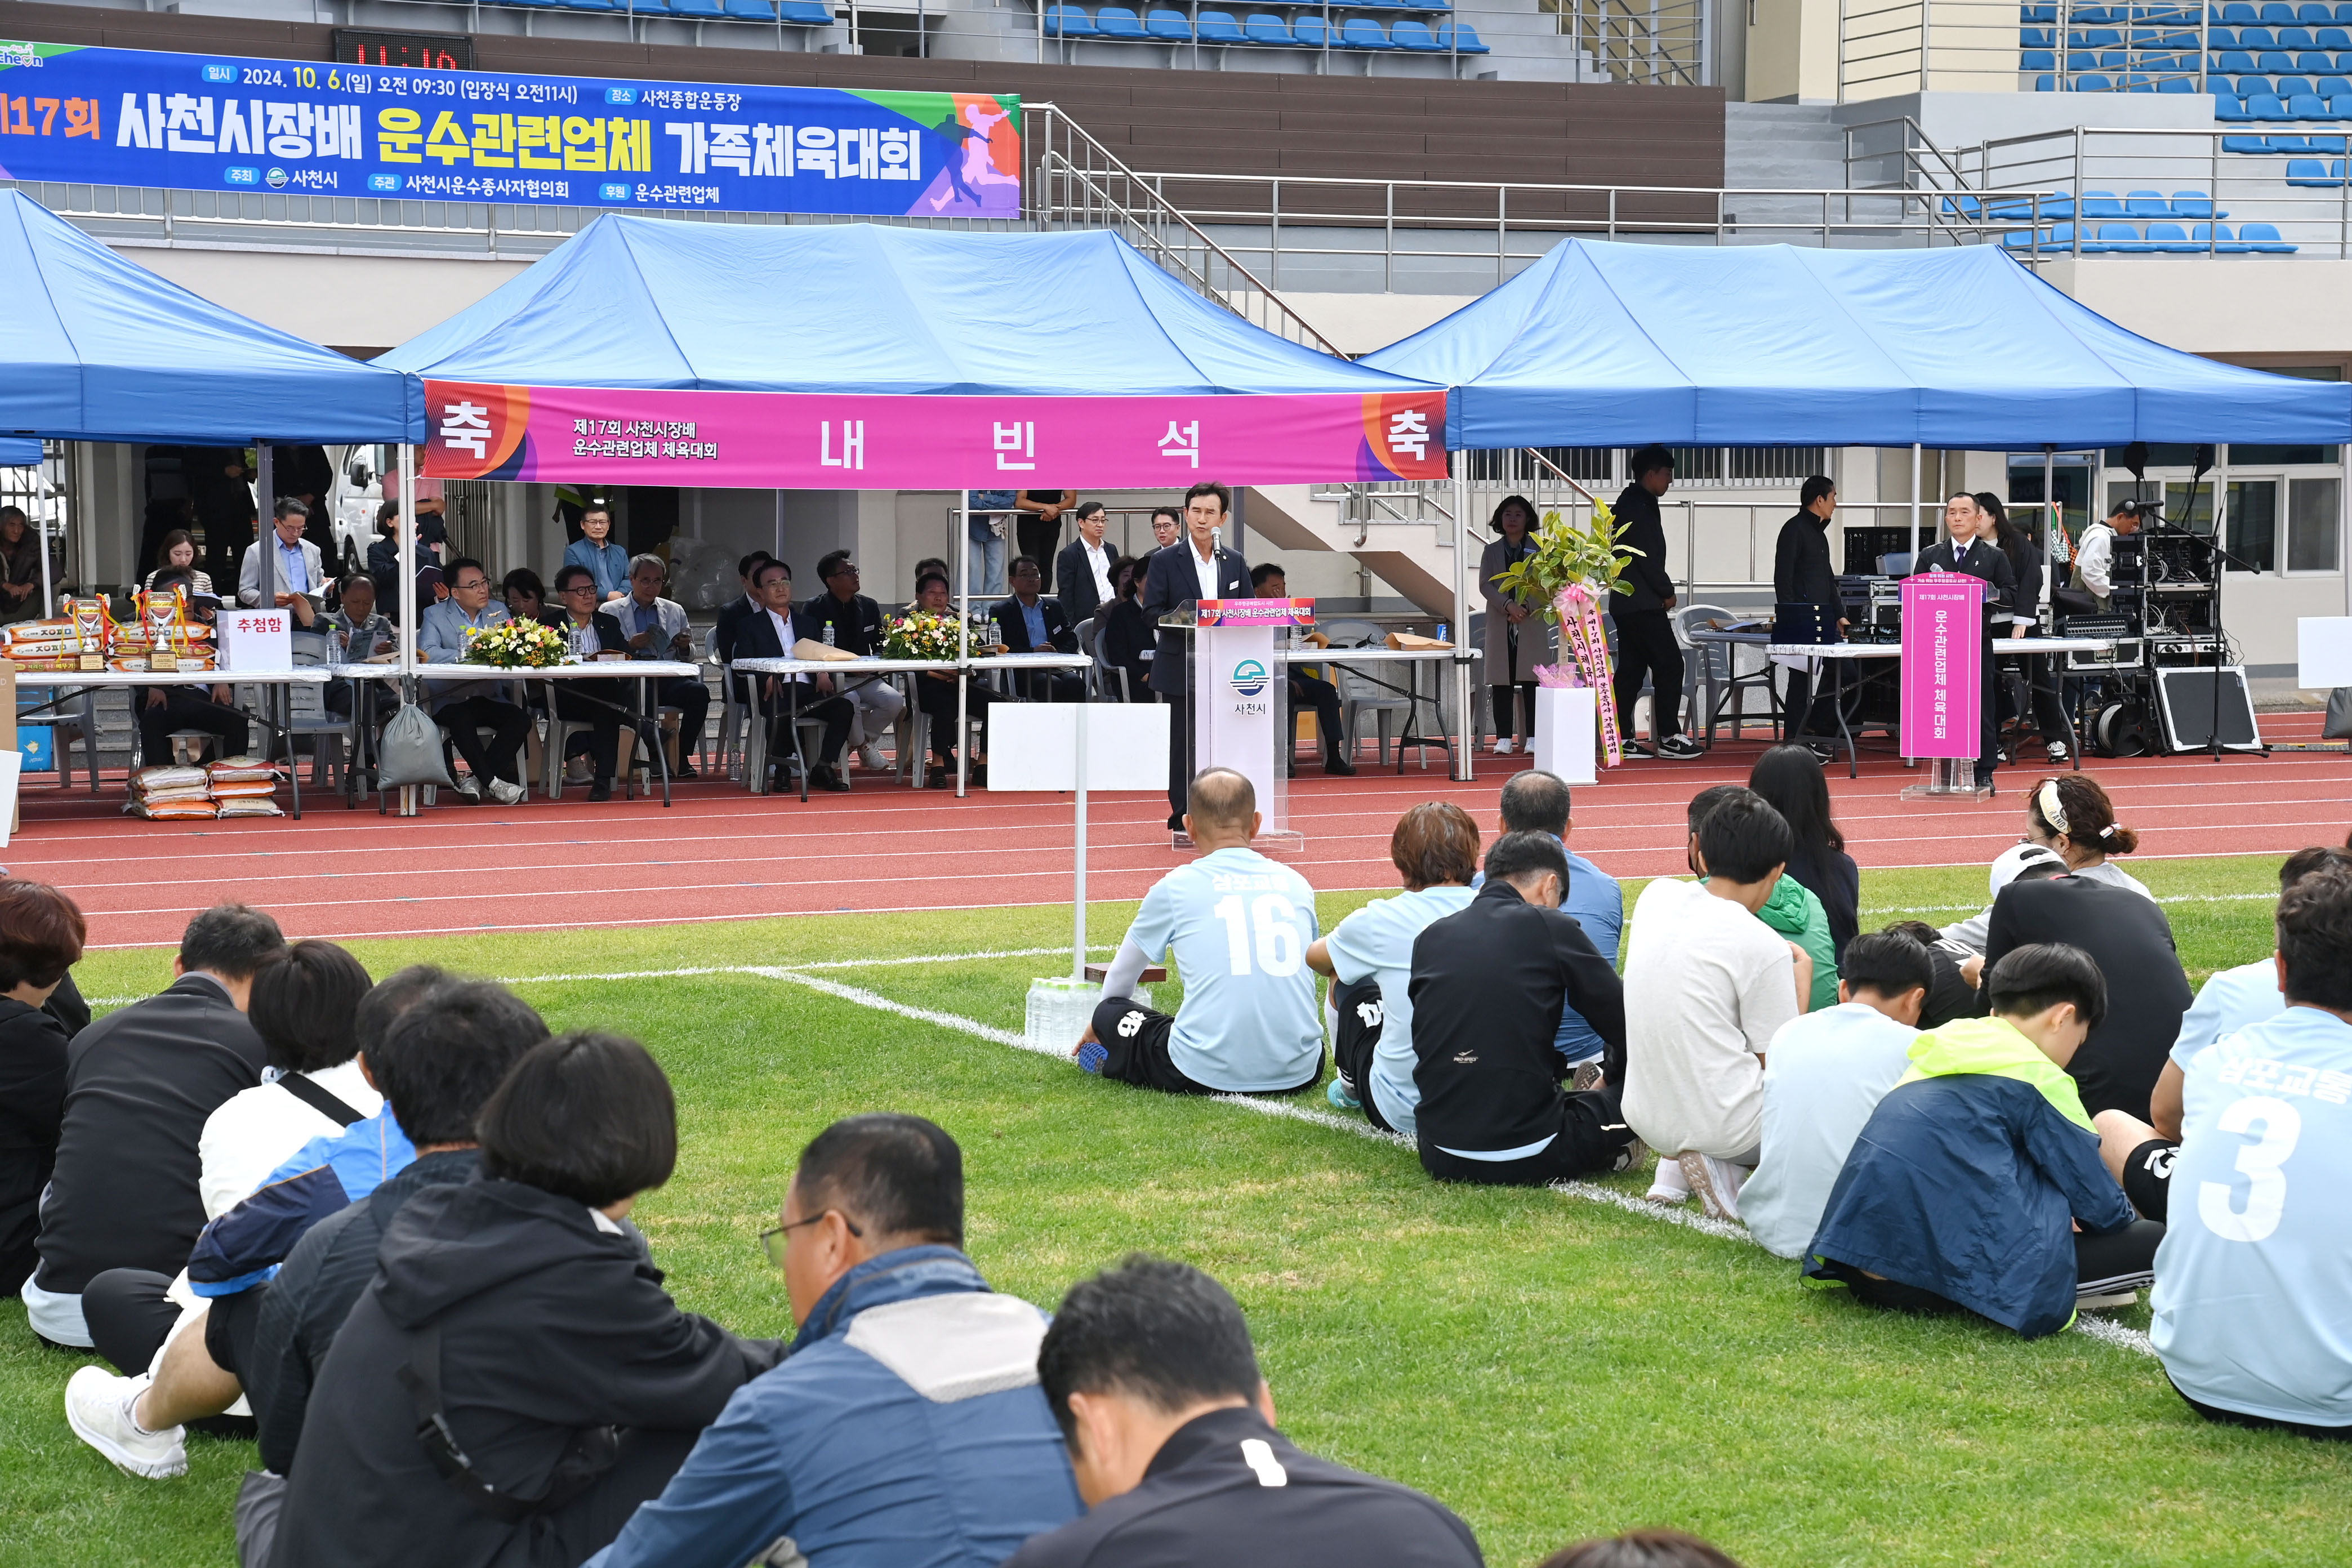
[2252, 1305]
[1489, 986]
[1150, 1370]
[1539, 802]
[41, 934]
[907, 1427]
[1368, 956]
[1707, 985]
[1977, 1181]
[1824, 1074]
[417, 1029]
[2139, 1150]
[517, 1323]
[1641, 1549]
[1239, 926]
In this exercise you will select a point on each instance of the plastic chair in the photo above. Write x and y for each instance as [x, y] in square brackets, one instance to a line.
[2306, 106]
[2263, 107]
[806, 13]
[2036, 39]
[2193, 204]
[2238, 13]
[1311, 32]
[647, 7]
[1119, 22]
[2169, 236]
[1363, 33]
[2312, 14]
[309, 715]
[2118, 238]
[1416, 36]
[2101, 204]
[697, 10]
[2257, 38]
[72, 716]
[1169, 26]
[592, 5]
[2176, 84]
[2312, 172]
[2333, 39]
[1265, 27]
[2146, 204]
[751, 10]
[2264, 238]
[1068, 22]
[2245, 145]
[2295, 40]
[1220, 28]
[1462, 39]
[2038, 60]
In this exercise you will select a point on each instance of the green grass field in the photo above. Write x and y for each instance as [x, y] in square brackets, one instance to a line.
[1550, 1366]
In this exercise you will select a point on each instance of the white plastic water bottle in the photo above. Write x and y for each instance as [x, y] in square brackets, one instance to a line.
[828, 634]
[1058, 1011]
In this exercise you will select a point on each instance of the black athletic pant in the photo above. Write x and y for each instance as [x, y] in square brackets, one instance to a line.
[2120, 1260]
[1592, 1138]
[1812, 713]
[604, 721]
[836, 713]
[1136, 1038]
[1988, 745]
[2239, 1419]
[1307, 691]
[937, 699]
[1040, 542]
[1180, 750]
[1507, 712]
[184, 709]
[464, 718]
[1356, 1041]
[128, 1315]
[2042, 697]
[691, 698]
[1646, 645]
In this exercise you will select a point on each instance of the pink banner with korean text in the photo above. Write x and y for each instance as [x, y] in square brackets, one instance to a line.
[818, 441]
[1943, 665]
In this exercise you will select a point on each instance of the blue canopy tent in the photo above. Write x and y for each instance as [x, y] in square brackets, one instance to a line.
[1618, 345]
[99, 349]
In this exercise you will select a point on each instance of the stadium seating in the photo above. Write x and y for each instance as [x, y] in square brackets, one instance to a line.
[1068, 22]
[1169, 26]
[1265, 29]
[1362, 33]
[1220, 28]
[1119, 22]
[2313, 171]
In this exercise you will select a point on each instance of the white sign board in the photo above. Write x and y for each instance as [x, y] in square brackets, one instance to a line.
[12, 769]
[2322, 652]
[257, 642]
[1238, 694]
[1035, 746]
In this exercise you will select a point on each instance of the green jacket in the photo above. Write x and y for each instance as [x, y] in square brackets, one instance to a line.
[1797, 914]
[1995, 1048]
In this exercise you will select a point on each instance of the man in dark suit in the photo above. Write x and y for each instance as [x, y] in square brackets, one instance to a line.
[842, 618]
[1084, 567]
[1802, 574]
[1961, 550]
[1268, 581]
[771, 634]
[732, 614]
[1030, 623]
[1644, 617]
[1193, 568]
[593, 631]
[139, 1086]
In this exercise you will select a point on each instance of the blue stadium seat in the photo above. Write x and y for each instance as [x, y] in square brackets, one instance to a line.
[1363, 33]
[698, 10]
[2256, 38]
[751, 10]
[2291, 85]
[2311, 62]
[592, 5]
[2101, 204]
[2245, 143]
[807, 13]
[2294, 40]
[2177, 84]
[2037, 60]
[2339, 101]
[2325, 143]
[2035, 37]
[2237, 14]
[2314, 14]
[2274, 62]
[2277, 13]
[2308, 106]
[1119, 22]
[1311, 31]
[2186, 41]
[1265, 27]
[2134, 83]
[2094, 83]
[2082, 60]
[2169, 236]
[2312, 172]
[2039, 13]
[645, 7]
[1169, 26]
[2058, 236]
[1416, 37]
[2217, 236]
[1462, 38]
[2146, 204]
[2111, 237]
[2333, 39]
[1068, 22]
[1220, 28]
[2194, 204]
[2265, 236]
[2045, 84]
[2343, 12]
[2235, 62]
[2229, 108]
[2266, 106]
[2220, 38]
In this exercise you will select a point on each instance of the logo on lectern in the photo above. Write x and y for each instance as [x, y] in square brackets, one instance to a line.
[1248, 678]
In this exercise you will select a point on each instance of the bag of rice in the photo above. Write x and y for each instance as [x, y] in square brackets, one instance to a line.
[248, 805]
[242, 768]
[149, 781]
[244, 789]
[173, 810]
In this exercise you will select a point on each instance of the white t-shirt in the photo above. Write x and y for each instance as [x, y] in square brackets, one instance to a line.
[1238, 926]
[254, 1131]
[1824, 1074]
[1707, 985]
[1376, 940]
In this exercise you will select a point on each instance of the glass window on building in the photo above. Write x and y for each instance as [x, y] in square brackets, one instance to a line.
[2312, 524]
[2254, 525]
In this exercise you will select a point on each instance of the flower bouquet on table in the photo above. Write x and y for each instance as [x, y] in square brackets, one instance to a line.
[517, 644]
[1572, 572]
[922, 634]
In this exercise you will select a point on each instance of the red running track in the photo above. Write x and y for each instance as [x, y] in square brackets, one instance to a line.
[721, 854]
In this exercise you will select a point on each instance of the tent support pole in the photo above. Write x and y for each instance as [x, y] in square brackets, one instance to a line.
[1079, 881]
[963, 639]
[1915, 503]
[2053, 519]
[1463, 727]
[404, 533]
[265, 564]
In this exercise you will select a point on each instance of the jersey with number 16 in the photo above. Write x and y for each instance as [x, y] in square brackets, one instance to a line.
[1238, 926]
[2252, 1305]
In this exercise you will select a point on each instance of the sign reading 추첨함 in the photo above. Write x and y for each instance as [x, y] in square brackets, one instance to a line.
[207, 122]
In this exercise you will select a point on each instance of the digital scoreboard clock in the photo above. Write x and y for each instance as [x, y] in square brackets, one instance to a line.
[418, 51]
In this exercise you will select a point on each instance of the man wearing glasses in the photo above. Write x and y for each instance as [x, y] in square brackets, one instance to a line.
[657, 629]
[842, 618]
[594, 633]
[906, 1424]
[465, 708]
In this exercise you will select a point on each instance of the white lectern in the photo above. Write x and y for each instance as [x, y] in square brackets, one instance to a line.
[1238, 719]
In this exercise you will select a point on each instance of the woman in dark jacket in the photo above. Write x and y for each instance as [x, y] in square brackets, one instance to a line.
[1791, 777]
[1518, 638]
[518, 1319]
[2024, 611]
[41, 933]
[20, 566]
[1127, 636]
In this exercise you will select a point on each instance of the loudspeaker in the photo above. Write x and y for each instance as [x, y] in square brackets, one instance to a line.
[2184, 699]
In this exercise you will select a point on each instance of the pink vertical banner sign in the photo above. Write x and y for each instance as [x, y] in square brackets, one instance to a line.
[1943, 665]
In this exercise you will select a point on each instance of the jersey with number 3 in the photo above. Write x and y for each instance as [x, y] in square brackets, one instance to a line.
[2252, 1306]
[1238, 926]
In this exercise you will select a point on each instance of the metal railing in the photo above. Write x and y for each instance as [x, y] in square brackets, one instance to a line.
[1890, 47]
[1454, 235]
[1660, 43]
[2089, 50]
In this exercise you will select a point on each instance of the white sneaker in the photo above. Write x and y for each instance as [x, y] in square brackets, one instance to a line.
[505, 794]
[470, 788]
[1505, 745]
[869, 757]
[98, 1408]
[1667, 1182]
[1717, 1182]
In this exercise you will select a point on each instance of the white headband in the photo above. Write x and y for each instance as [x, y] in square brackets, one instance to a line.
[2052, 812]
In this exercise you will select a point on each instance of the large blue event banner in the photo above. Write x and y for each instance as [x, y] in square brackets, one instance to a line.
[135, 117]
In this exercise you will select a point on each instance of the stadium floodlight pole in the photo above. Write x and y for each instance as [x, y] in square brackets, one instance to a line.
[1462, 694]
[963, 636]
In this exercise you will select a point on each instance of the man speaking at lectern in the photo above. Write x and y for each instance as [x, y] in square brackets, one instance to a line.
[1196, 567]
[1961, 550]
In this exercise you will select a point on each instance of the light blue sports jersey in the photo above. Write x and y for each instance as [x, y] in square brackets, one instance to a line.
[1238, 926]
[1376, 940]
[2252, 1305]
[2228, 1001]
